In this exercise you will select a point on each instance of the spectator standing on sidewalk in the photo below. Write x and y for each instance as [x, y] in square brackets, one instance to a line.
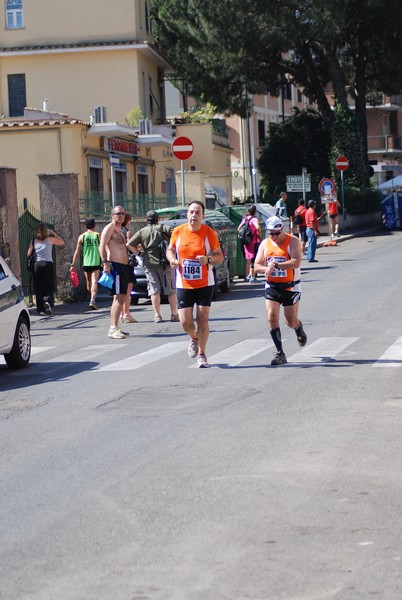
[88, 249]
[114, 258]
[43, 273]
[279, 258]
[312, 231]
[194, 250]
[160, 277]
[250, 250]
[281, 205]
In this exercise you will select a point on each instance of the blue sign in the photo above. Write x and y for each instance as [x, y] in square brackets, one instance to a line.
[327, 186]
[114, 160]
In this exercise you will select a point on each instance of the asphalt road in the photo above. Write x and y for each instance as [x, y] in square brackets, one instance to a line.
[127, 474]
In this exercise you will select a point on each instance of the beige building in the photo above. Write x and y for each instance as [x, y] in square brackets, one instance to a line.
[247, 136]
[80, 55]
[82, 69]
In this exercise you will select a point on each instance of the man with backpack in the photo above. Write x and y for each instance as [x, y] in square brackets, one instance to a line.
[160, 276]
[250, 238]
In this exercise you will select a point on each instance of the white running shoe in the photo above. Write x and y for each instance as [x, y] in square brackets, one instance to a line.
[192, 350]
[116, 334]
[202, 362]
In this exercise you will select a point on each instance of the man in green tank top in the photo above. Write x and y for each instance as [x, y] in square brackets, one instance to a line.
[88, 248]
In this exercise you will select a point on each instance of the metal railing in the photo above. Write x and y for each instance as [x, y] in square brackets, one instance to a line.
[384, 143]
[99, 204]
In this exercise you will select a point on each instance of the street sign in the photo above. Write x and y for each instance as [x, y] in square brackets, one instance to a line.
[342, 163]
[294, 183]
[327, 186]
[114, 160]
[182, 148]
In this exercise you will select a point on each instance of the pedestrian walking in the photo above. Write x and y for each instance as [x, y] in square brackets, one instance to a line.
[159, 274]
[87, 249]
[193, 251]
[126, 315]
[279, 258]
[333, 210]
[114, 257]
[311, 231]
[43, 268]
[250, 249]
[281, 205]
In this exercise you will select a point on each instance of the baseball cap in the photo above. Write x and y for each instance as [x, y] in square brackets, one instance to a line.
[152, 216]
[273, 223]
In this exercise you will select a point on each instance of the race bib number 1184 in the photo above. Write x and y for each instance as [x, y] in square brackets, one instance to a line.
[191, 270]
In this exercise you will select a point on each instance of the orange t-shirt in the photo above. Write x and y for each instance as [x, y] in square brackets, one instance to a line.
[189, 244]
[280, 253]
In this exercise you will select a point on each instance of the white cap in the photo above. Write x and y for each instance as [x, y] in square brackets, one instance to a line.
[273, 223]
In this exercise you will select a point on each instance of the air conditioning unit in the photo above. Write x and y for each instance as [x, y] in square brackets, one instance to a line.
[100, 114]
[145, 127]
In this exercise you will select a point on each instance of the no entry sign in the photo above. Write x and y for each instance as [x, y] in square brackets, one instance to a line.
[182, 148]
[342, 163]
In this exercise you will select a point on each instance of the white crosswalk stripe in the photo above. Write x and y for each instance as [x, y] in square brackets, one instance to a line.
[392, 357]
[145, 358]
[322, 350]
[239, 353]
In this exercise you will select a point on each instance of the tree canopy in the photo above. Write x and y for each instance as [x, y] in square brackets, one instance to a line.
[229, 49]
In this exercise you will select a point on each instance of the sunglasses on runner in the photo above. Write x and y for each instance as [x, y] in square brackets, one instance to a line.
[275, 232]
[119, 213]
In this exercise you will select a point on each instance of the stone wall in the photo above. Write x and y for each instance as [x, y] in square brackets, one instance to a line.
[59, 197]
[9, 243]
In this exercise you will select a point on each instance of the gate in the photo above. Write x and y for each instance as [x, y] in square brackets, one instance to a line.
[28, 220]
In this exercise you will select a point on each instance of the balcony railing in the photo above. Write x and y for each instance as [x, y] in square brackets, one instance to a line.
[99, 204]
[384, 143]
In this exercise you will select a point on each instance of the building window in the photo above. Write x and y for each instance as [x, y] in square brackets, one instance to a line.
[17, 99]
[151, 96]
[14, 14]
[146, 18]
[261, 133]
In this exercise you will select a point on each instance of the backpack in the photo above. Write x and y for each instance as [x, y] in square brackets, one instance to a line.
[298, 219]
[245, 234]
[32, 258]
[163, 246]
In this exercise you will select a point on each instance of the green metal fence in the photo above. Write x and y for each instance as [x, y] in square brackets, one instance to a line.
[99, 204]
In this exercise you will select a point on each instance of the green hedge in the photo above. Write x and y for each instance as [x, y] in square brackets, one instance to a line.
[361, 202]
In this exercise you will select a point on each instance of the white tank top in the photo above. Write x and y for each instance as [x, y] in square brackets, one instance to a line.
[43, 250]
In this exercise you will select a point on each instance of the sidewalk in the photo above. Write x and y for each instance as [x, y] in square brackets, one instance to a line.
[348, 235]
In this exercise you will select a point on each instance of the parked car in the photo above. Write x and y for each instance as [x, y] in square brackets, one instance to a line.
[221, 272]
[15, 336]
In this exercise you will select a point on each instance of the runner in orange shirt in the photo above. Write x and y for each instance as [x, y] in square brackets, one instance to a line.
[193, 251]
[279, 258]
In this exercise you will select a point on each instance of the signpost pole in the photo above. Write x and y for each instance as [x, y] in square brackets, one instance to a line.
[343, 199]
[183, 187]
[304, 171]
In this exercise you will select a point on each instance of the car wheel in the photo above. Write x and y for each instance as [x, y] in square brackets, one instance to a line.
[226, 284]
[134, 300]
[20, 353]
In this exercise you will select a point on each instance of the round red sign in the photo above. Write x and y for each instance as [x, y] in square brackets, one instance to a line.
[182, 148]
[342, 163]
